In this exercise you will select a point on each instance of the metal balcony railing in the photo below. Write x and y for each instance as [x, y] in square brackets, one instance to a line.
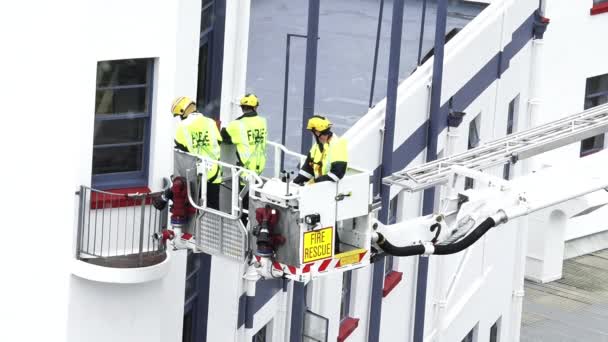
[116, 230]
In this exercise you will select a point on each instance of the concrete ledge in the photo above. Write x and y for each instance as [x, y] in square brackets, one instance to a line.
[586, 244]
[536, 271]
[104, 274]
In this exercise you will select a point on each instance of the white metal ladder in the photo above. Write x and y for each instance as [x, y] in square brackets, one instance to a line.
[511, 148]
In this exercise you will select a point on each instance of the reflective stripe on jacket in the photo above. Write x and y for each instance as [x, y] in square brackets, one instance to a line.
[329, 161]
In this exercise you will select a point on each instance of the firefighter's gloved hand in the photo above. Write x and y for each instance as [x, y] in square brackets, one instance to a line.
[324, 178]
[300, 180]
[159, 203]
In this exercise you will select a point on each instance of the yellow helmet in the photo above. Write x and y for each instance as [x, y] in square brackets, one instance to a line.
[180, 104]
[318, 123]
[250, 100]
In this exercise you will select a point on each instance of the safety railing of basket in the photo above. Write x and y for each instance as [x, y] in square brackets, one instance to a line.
[119, 227]
[280, 152]
[217, 232]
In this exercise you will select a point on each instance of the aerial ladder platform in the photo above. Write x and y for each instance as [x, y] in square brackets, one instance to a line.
[466, 215]
[304, 232]
[509, 149]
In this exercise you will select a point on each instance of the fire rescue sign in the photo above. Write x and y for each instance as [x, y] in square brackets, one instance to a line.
[318, 244]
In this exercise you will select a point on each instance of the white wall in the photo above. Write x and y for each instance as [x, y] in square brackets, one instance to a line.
[146, 29]
[151, 311]
[38, 136]
[50, 83]
[573, 52]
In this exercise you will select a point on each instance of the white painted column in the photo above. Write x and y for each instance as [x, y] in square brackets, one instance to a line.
[535, 101]
[545, 250]
[236, 44]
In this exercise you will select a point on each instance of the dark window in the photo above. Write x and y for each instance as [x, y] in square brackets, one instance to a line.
[204, 53]
[207, 16]
[345, 304]
[260, 336]
[494, 331]
[596, 93]
[511, 123]
[392, 209]
[187, 331]
[470, 336]
[121, 137]
[202, 90]
[191, 329]
[192, 267]
[388, 264]
[473, 142]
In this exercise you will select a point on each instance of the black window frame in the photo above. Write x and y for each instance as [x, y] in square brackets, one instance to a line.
[261, 335]
[137, 178]
[495, 330]
[210, 57]
[389, 264]
[473, 140]
[191, 325]
[512, 115]
[471, 336]
[204, 52]
[594, 97]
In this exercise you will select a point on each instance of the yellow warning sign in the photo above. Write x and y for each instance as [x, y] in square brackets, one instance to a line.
[318, 244]
[350, 257]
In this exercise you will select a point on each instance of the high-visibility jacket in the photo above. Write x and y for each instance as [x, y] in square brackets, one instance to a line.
[249, 134]
[199, 135]
[327, 161]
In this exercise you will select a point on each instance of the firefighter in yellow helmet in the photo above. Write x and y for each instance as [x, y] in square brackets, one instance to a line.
[199, 135]
[328, 157]
[248, 133]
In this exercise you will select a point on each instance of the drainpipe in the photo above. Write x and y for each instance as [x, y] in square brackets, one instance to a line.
[535, 102]
[310, 73]
[518, 278]
[250, 277]
[378, 30]
[431, 154]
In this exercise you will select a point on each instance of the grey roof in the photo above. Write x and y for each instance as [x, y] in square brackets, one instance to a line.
[574, 308]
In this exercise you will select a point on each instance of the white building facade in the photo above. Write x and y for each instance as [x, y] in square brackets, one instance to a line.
[501, 70]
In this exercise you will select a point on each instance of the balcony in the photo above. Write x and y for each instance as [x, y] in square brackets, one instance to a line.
[115, 239]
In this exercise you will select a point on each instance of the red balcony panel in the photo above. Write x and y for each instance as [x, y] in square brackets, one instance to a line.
[599, 8]
[347, 327]
[120, 200]
[390, 281]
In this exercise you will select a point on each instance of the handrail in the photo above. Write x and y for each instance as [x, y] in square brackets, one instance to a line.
[133, 194]
[285, 149]
[116, 229]
[278, 149]
[224, 164]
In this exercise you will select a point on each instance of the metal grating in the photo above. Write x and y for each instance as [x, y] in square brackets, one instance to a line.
[222, 236]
